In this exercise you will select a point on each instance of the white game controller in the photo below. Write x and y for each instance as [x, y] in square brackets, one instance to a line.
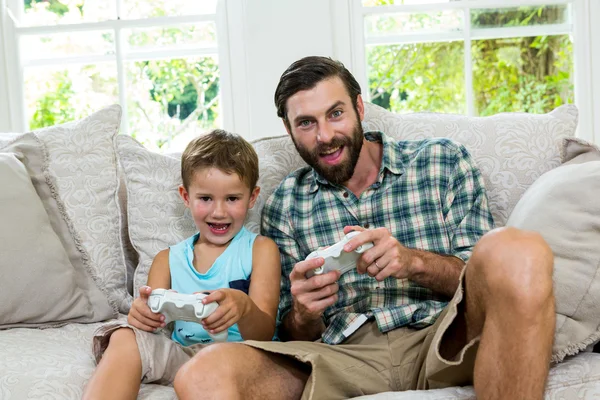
[183, 307]
[336, 258]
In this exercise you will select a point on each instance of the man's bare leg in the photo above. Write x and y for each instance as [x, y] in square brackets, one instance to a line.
[119, 372]
[251, 374]
[510, 302]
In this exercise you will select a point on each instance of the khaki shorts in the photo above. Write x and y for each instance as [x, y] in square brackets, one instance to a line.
[370, 362]
[161, 356]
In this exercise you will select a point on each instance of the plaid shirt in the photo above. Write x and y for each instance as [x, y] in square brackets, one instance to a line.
[429, 194]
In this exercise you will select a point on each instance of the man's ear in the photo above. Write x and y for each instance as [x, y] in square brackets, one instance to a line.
[360, 107]
[185, 196]
[254, 196]
[288, 128]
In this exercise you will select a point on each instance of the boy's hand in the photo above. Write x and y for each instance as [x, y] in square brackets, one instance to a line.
[140, 314]
[233, 306]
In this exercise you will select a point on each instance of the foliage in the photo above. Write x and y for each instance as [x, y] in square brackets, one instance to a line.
[168, 100]
[54, 106]
[529, 74]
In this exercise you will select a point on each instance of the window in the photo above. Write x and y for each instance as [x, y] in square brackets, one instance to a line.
[474, 57]
[159, 59]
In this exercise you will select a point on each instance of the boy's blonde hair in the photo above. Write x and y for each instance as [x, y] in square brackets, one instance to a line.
[226, 151]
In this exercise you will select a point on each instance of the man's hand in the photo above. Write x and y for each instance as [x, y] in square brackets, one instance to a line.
[140, 314]
[386, 258]
[312, 296]
[233, 306]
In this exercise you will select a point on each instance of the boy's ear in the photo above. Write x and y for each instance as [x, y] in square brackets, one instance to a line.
[185, 196]
[254, 196]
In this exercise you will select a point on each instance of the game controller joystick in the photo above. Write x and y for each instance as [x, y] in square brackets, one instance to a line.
[336, 258]
[183, 307]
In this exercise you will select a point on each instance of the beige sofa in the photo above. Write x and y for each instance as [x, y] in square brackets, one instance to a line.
[111, 205]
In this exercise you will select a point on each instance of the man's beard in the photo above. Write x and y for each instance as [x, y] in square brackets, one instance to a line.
[336, 174]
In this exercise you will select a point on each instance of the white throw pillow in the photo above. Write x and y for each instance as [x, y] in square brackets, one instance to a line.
[46, 279]
[512, 150]
[84, 162]
[563, 206]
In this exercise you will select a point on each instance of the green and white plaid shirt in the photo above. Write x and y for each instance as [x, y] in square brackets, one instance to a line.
[429, 194]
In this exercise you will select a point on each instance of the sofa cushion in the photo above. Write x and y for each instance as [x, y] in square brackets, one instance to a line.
[84, 162]
[156, 214]
[511, 149]
[45, 274]
[562, 205]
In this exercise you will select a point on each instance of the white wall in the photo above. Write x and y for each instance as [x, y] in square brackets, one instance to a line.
[275, 34]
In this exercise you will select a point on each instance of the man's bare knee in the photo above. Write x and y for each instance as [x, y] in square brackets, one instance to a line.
[514, 265]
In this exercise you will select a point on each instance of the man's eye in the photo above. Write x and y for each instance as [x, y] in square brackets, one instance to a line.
[336, 113]
[305, 123]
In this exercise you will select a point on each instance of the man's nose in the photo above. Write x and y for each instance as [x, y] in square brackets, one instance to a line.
[325, 133]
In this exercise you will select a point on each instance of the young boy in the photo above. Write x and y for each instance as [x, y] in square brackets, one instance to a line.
[219, 172]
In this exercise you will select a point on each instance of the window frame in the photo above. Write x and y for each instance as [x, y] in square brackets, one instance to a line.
[15, 67]
[578, 26]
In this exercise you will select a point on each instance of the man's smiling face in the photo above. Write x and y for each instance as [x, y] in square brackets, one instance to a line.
[326, 130]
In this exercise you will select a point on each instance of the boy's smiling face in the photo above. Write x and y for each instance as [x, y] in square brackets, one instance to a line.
[219, 203]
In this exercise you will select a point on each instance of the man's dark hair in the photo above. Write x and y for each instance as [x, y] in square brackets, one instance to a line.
[305, 73]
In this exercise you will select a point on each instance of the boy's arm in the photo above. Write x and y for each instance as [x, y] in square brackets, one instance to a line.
[258, 322]
[159, 276]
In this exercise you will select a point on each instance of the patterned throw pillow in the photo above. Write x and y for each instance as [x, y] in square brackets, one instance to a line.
[84, 163]
[512, 150]
[46, 274]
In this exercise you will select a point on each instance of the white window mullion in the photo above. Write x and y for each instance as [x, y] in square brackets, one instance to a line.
[14, 70]
[359, 59]
[121, 77]
[582, 66]
[468, 63]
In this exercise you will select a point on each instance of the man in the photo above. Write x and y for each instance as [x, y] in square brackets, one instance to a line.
[381, 328]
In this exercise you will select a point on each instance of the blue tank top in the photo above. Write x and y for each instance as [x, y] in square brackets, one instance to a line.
[231, 269]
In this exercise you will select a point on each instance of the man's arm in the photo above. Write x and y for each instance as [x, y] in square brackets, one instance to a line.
[302, 301]
[466, 217]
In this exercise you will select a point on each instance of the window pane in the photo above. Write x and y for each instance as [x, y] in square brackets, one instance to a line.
[519, 16]
[160, 8]
[57, 95]
[52, 12]
[67, 44]
[172, 101]
[531, 74]
[401, 23]
[418, 77]
[197, 35]
[371, 3]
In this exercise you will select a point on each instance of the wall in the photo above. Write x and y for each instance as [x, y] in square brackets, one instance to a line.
[276, 33]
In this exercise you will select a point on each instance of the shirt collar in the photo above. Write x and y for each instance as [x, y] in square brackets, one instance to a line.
[390, 159]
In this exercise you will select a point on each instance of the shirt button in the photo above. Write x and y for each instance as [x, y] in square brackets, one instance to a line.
[345, 194]
[367, 225]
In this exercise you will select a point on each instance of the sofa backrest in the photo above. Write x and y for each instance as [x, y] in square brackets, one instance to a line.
[511, 149]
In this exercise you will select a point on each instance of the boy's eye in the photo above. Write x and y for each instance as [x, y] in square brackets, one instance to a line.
[233, 198]
[204, 198]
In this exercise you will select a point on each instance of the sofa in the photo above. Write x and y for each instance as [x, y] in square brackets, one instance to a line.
[85, 209]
